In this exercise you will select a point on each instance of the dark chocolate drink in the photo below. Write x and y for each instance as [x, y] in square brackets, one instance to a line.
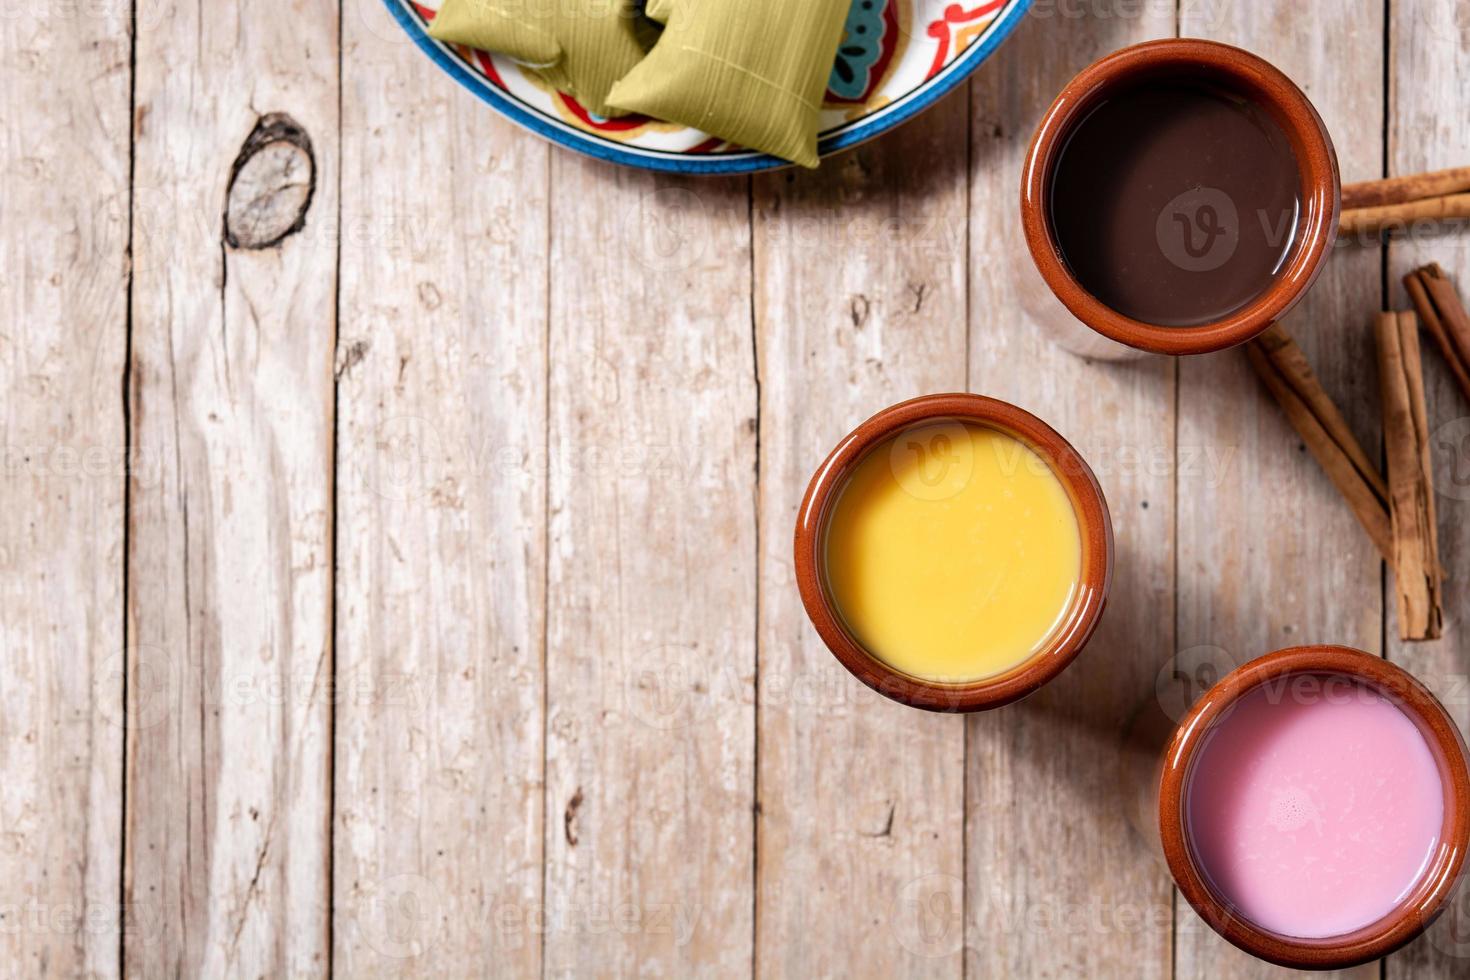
[1176, 203]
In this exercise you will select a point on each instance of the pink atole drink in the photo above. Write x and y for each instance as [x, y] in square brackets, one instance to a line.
[1314, 815]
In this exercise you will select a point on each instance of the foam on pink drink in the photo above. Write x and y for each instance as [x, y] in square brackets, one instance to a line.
[1314, 816]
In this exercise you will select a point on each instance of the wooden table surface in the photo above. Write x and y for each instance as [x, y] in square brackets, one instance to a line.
[414, 596]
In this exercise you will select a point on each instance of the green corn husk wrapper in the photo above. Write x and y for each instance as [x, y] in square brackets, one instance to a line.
[749, 71]
[580, 47]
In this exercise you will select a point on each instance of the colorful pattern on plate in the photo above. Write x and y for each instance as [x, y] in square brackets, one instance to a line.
[886, 72]
[873, 37]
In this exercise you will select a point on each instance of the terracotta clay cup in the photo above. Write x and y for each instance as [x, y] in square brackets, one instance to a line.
[1435, 886]
[1218, 65]
[926, 415]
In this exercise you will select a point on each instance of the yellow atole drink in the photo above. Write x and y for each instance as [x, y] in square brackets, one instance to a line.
[953, 552]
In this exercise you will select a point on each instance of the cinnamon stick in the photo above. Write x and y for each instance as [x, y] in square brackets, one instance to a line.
[1398, 190]
[1362, 221]
[1444, 317]
[1417, 572]
[1284, 369]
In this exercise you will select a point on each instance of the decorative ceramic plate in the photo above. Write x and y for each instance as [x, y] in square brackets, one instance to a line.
[897, 59]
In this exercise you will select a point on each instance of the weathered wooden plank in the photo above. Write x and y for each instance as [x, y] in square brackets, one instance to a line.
[1270, 556]
[859, 303]
[441, 523]
[63, 471]
[230, 547]
[1429, 127]
[650, 633]
[1058, 882]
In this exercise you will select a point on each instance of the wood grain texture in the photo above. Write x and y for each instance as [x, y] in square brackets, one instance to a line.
[650, 631]
[230, 548]
[1059, 883]
[558, 689]
[1271, 556]
[441, 477]
[63, 471]
[1429, 128]
[859, 303]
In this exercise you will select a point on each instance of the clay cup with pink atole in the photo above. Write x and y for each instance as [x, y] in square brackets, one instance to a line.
[1314, 807]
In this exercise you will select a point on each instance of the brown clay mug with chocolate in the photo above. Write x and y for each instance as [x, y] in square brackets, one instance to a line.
[1180, 196]
[1314, 807]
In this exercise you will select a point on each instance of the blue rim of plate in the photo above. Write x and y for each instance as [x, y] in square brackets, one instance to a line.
[909, 105]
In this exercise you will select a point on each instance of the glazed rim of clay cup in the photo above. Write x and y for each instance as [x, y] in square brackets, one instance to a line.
[1196, 61]
[1063, 643]
[1429, 896]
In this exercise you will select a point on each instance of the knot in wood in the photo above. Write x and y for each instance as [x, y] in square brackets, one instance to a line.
[271, 184]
